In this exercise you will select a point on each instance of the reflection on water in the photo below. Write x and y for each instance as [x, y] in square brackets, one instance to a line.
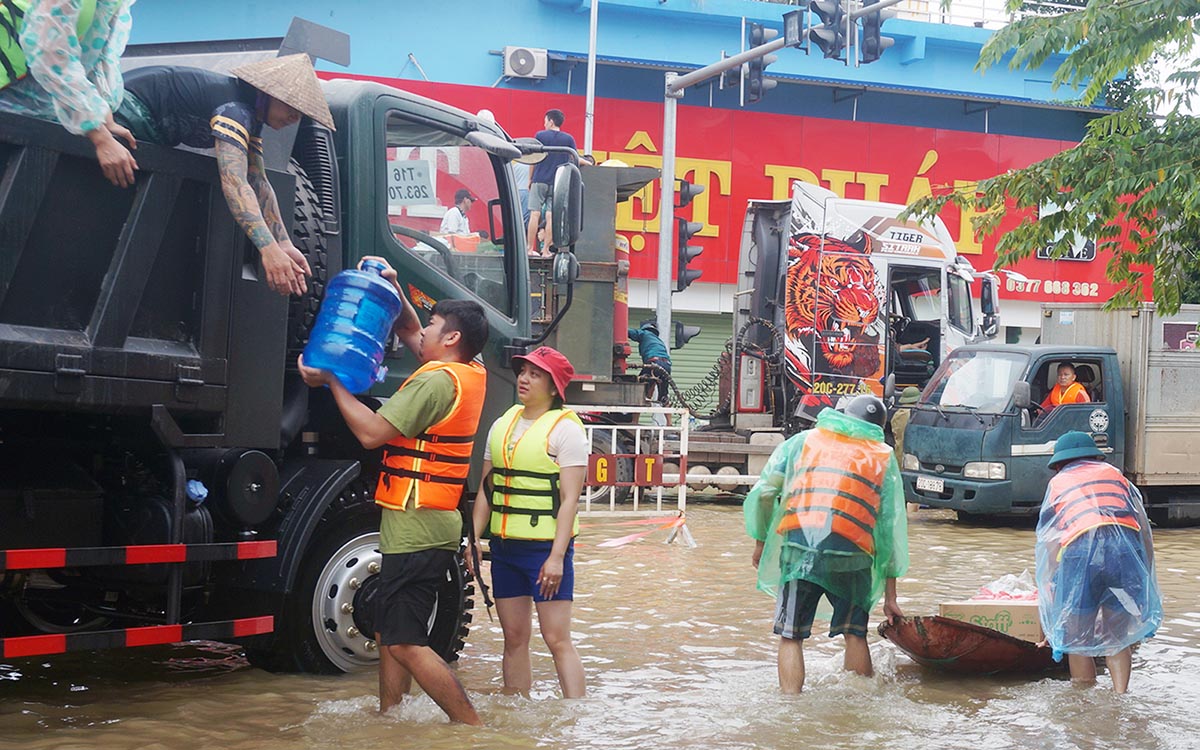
[679, 654]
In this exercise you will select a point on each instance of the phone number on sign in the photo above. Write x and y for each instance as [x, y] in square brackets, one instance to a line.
[1074, 288]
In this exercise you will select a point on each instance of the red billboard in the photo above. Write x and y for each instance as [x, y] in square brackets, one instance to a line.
[740, 155]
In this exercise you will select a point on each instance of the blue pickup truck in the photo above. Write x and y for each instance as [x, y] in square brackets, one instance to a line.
[979, 437]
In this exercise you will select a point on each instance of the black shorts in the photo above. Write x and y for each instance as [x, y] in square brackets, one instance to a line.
[407, 596]
[796, 608]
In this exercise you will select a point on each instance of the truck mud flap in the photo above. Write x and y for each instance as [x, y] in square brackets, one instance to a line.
[142, 554]
[153, 635]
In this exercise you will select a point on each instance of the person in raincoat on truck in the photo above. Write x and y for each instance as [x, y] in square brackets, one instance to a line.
[1097, 590]
[828, 519]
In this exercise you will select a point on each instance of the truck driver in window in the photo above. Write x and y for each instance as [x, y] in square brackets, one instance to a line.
[1065, 390]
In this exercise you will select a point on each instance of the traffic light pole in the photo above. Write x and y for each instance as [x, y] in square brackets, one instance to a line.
[675, 86]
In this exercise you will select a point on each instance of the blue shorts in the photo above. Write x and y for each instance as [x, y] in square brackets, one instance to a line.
[1104, 561]
[515, 567]
[796, 608]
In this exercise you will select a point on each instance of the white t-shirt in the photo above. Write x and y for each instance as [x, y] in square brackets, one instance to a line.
[455, 222]
[568, 444]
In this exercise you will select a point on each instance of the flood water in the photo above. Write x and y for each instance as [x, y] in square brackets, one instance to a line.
[679, 654]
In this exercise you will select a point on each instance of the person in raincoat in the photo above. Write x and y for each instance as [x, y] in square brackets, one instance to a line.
[827, 516]
[1097, 590]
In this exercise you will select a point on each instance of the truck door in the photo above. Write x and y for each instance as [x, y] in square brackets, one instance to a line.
[914, 323]
[445, 213]
[1041, 425]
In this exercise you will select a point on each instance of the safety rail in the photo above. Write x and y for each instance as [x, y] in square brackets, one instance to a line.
[634, 451]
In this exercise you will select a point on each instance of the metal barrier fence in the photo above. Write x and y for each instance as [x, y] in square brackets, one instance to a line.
[629, 471]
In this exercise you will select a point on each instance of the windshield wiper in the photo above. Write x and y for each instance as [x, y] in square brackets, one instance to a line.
[974, 412]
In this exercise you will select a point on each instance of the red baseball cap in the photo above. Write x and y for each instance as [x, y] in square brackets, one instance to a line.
[553, 362]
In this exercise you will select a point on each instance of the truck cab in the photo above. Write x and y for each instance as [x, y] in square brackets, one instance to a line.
[836, 295]
[979, 438]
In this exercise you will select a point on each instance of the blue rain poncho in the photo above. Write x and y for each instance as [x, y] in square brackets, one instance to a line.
[1097, 590]
[842, 465]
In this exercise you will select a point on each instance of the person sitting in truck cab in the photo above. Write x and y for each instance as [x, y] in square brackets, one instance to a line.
[1066, 390]
[172, 105]
[61, 60]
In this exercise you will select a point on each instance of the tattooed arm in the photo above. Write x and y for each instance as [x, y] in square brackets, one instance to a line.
[284, 274]
[269, 204]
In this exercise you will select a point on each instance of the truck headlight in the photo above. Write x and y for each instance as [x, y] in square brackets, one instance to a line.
[984, 470]
[910, 463]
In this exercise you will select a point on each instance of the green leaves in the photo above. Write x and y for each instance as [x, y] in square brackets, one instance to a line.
[1131, 184]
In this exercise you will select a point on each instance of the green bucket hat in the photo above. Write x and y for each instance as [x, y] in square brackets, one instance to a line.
[1073, 445]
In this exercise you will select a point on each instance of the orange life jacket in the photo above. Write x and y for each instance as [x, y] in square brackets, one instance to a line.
[838, 490]
[1069, 395]
[433, 466]
[1087, 496]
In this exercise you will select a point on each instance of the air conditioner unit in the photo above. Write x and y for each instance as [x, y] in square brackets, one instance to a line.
[524, 62]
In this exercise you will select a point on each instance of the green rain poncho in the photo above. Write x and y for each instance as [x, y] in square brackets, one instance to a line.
[843, 451]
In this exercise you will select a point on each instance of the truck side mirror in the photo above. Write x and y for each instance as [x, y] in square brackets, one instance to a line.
[989, 305]
[493, 144]
[566, 206]
[1021, 395]
[565, 268]
[889, 386]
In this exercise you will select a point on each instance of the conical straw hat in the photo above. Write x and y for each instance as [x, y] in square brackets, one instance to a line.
[292, 80]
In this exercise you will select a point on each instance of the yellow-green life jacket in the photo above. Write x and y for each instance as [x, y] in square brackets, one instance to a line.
[525, 497]
[12, 23]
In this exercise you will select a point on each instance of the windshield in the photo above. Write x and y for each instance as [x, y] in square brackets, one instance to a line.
[980, 380]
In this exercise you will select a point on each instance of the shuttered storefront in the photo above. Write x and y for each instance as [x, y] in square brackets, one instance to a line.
[693, 362]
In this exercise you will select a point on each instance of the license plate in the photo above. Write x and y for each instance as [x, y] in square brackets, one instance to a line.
[931, 484]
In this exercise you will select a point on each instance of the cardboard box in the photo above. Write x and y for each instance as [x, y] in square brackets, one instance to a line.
[1016, 618]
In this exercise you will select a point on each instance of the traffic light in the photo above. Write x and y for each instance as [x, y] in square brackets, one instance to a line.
[756, 84]
[685, 191]
[685, 254]
[873, 44]
[830, 36]
[731, 78]
[684, 334]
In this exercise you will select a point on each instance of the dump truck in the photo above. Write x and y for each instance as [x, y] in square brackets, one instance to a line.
[167, 475]
[980, 436]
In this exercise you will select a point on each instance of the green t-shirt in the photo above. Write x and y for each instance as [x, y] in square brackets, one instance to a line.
[421, 402]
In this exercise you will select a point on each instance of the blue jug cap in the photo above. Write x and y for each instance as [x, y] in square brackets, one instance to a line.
[374, 266]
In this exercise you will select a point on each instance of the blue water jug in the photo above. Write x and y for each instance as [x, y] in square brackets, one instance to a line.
[353, 326]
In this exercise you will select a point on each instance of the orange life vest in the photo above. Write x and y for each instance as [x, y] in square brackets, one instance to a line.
[1087, 496]
[1069, 395]
[838, 489]
[433, 466]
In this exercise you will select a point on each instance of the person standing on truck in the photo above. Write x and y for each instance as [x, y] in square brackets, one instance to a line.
[827, 517]
[455, 221]
[60, 60]
[171, 105]
[541, 181]
[535, 464]
[427, 431]
[656, 360]
[1065, 390]
[1097, 589]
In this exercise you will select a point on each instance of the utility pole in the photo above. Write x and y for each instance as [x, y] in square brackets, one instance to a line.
[674, 86]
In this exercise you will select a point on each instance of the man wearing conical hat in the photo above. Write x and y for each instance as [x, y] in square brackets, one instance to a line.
[172, 105]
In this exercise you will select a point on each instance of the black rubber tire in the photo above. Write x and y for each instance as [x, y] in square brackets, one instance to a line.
[296, 645]
[308, 235]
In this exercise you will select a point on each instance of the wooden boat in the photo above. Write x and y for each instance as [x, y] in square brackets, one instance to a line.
[962, 648]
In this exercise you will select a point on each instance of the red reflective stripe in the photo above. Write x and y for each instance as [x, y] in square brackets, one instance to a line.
[34, 645]
[253, 626]
[253, 550]
[155, 553]
[49, 557]
[153, 635]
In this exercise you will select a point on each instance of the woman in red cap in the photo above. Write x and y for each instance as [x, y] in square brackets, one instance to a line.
[535, 463]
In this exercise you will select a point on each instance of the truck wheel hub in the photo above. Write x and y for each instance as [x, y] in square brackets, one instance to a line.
[343, 599]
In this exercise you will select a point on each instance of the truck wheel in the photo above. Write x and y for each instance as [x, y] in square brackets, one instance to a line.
[328, 621]
[308, 235]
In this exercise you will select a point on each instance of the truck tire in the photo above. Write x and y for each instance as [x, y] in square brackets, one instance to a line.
[317, 632]
[308, 235]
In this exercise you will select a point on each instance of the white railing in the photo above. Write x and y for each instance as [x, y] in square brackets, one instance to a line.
[640, 500]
